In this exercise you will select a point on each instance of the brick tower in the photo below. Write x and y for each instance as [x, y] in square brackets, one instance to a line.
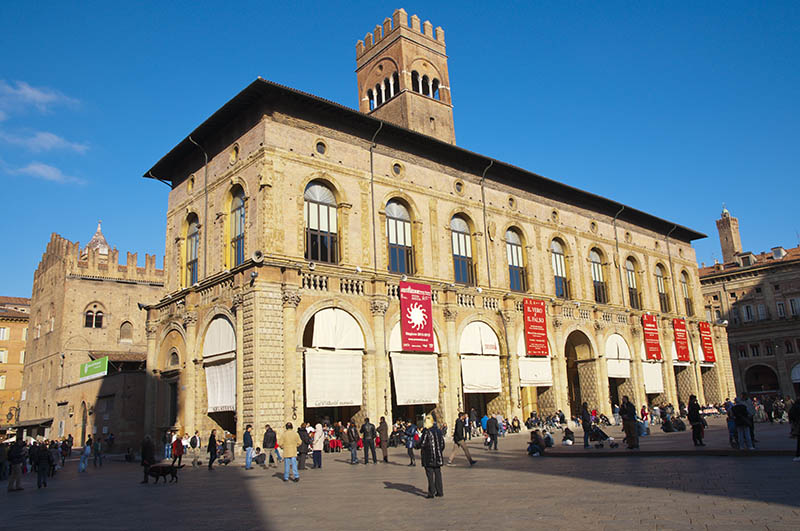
[729, 239]
[402, 76]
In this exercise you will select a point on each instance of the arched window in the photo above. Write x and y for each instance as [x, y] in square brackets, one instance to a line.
[174, 359]
[237, 226]
[462, 251]
[663, 298]
[395, 84]
[98, 319]
[687, 299]
[598, 278]
[320, 220]
[371, 98]
[559, 269]
[516, 265]
[88, 321]
[426, 86]
[633, 286]
[378, 95]
[415, 82]
[192, 248]
[436, 89]
[126, 332]
[398, 232]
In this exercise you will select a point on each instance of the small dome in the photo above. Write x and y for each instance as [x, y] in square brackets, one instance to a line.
[98, 243]
[725, 212]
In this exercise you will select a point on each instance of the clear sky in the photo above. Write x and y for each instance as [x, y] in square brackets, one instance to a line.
[669, 107]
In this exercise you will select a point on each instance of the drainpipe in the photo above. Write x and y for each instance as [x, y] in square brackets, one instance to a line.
[616, 246]
[372, 198]
[205, 206]
[485, 231]
[150, 173]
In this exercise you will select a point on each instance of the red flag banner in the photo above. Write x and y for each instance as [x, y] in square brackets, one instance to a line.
[535, 327]
[652, 346]
[681, 339]
[707, 342]
[416, 317]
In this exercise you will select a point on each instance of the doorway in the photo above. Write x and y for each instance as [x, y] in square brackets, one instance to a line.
[580, 369]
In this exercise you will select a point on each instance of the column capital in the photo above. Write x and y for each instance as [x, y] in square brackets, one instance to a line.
[150, 330]
[290, 296]
[237, 300]
[379, 304]
[189, 319]
[449, 313]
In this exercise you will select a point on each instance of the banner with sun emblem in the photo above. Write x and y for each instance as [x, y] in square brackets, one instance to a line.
[416, 320]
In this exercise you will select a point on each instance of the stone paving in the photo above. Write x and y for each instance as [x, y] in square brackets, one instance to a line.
[504, 490]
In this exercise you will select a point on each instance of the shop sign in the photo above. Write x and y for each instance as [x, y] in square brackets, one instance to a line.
[535, 327]
[652, 346]
[416, 317]
[707, 342]
[681, 339]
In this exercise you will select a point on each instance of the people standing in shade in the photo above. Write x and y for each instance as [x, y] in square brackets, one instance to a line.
[317, 446]
[431, 443]
[628, 413]
[247, 445]
[492, 430]
[167, 444]
[368, 434]
[742, 419]
[289, 441]
[194, 448]
[751, 415]
[212, 449]
[177, 451]
[586, 424]
[97, 452]
[696, 421]
[70, 443]
[269, 443]
[460, 432]
[383, 433]
[148, 456]
[351, 438]
[615, 412]
[794, 420]
[85, 453]
[305, 446]
[16, 456]
[411, 440]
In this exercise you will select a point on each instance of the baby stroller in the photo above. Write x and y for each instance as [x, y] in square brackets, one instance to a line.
[599, 437]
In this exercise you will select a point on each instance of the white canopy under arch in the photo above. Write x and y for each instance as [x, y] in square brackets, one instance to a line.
[479, 338]
[219, 360]
[653, 379]
[396, 340]
[618, 357]
[416, 375]
[480, 368]
[534, 371]
[333, 377]
[336, 329]
[675, 361]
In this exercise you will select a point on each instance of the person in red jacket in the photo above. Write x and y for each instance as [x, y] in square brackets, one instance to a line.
[177, 451]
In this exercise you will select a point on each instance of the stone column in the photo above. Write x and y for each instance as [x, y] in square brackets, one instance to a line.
[511, 318]
[151, 366]
[637, 377]
[189, 376]
[450, 367]
[560, 379]
[292, 362]
[238, 308]
[696, 369]
[382, 386]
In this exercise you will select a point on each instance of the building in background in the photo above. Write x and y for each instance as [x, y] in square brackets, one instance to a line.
[14, 314]
[294, 223]
[759, 296]
[86, 348]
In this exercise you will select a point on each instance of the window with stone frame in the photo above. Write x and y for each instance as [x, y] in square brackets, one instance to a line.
[516, 265]
[463, 267]
[398, 235]
[192, 250]
[598, 277]
[237, 223]
[663, 297]
[320, 219]
[559, 263]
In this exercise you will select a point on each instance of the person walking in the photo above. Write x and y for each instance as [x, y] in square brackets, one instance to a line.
[628, 413]
[492, 429]
[586, 424]
[247, 445]
[383, 433]
[351, 437]
[317, 446]
[85, 453]
[696, 420]
[431, 444]
[148, 456]
[460, 431]
[269, 443]
[302, 450]
[70, 443]
[751, 416]
[368, 438]
[742, 419]
[617, 417]
[16, 456]
[194, 448]
[794, 419]
[212, 449]
[97, 449]
[177, 451]
[289, 442]
[411, 440]
[167, 440]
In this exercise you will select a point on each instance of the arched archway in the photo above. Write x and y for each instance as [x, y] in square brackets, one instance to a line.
[581, 372]
[618, 363]
[761, 380]
[535, 380]
[414, 378]
[219, 364]
[481, 377]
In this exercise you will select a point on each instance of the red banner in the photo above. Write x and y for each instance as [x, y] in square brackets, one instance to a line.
[707, 342]
[535, 327]
[652, 346]
[681, 339]
[416, 317]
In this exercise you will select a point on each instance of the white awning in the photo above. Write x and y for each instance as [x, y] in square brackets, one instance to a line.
[479, 338]
[522, 350]
[675, 361]
[796, 373]
[396, 340]
[618, 357]
[481, 374]
[535, 372]
[336, 329]
[220, 340]
[416, 378]
[221, 386]
[333, 378]
[653, 381]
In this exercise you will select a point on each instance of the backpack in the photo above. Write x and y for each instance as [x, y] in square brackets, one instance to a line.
[193, 442]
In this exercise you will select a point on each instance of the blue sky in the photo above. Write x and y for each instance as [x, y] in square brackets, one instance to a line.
[670, 107]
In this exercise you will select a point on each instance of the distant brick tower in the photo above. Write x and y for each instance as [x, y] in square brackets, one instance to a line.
[729, 239]
[403, 78]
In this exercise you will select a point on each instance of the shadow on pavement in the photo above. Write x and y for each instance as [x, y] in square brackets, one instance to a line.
[410, 489]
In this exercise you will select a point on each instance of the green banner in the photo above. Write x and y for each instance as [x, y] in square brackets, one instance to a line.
[94, 369]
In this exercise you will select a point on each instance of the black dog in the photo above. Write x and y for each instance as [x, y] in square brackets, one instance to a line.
[164, 470]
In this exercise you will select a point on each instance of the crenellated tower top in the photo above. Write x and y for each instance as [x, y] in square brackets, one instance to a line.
[402, 74]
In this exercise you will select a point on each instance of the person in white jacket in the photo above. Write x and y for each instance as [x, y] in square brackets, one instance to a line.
[317, 446]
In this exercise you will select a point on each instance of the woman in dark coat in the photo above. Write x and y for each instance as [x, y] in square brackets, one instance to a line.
[148, 456]
[696, 420]
[431, 443]
[302, 450]
[212, 448]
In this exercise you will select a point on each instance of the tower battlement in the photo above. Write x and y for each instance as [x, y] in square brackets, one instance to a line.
[400, 19]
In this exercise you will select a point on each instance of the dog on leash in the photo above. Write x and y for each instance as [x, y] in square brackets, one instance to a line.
[163, 470]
